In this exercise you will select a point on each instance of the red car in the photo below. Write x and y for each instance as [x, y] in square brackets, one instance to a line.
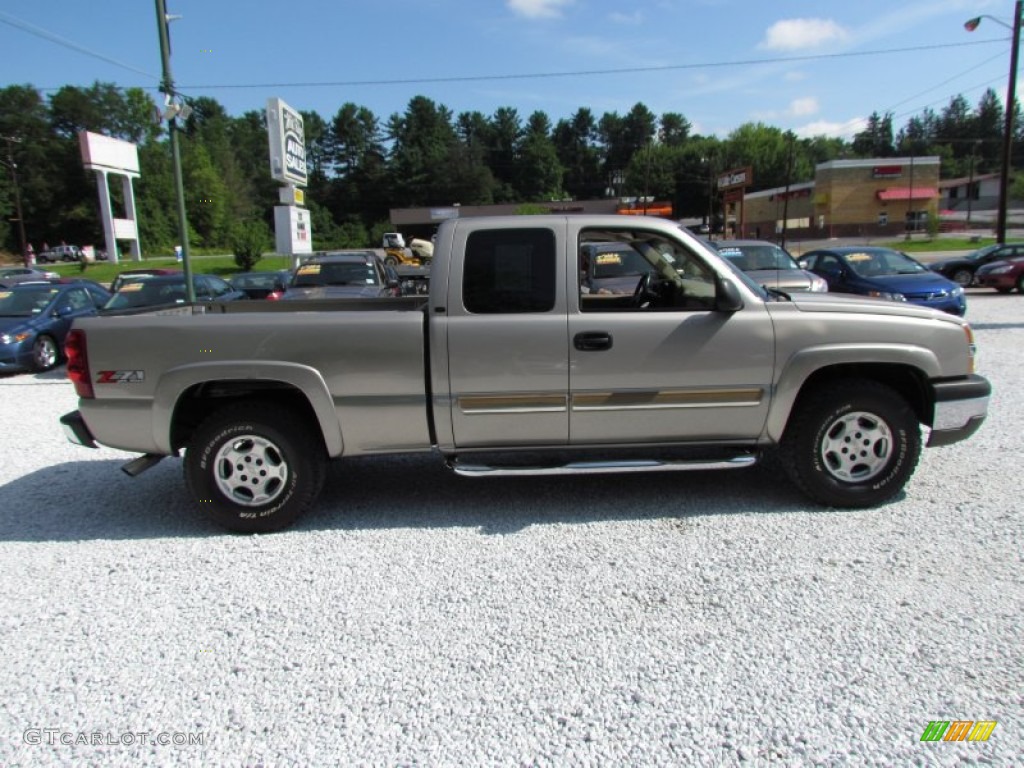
[1004, 276]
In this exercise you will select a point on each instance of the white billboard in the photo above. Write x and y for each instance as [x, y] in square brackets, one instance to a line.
[287, 136]
[105, 153]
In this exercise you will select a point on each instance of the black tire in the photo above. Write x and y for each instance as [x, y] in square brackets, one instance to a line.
[861, 414]
[255, 436]
[962, 277]
[391, 261]
[45, 353]
[1020, 283]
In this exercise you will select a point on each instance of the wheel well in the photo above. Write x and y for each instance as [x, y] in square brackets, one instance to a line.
[909, 382]
[200, 400]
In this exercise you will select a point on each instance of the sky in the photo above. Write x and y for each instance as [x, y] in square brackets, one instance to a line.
[816, 68]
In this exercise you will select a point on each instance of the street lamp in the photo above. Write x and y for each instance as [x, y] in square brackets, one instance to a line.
[1011, 91]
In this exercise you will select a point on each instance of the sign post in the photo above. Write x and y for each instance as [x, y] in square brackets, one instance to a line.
[293, 231]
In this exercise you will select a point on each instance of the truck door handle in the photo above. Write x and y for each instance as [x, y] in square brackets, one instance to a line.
[592, 341]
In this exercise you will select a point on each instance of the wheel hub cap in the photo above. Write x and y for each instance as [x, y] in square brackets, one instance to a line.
[856, 447]
[250, 470]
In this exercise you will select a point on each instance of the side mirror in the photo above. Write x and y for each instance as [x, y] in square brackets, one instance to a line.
[727, 296]
[802, 264]
[63, 311]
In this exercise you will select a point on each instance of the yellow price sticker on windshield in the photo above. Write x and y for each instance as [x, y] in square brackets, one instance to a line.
[129, 287]
[860, 257]
[309, 269]
[609, 258]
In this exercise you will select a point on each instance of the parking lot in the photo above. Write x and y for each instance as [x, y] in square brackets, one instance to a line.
[419, 618]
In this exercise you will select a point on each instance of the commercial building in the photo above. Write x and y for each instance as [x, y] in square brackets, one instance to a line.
[848, 198]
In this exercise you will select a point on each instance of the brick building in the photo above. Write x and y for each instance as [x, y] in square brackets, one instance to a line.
[849, 198]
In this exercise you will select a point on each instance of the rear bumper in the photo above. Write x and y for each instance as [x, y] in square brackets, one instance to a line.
[960, 408]
[76, 430]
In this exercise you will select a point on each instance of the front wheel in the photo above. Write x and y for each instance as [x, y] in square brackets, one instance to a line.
[853, 444]
[963, 277]
[391, 261]
[45, 353]
[255, 467]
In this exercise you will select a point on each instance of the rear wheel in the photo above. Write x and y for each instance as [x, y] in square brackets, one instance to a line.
[391, 261]
[255, 467]
[45, 353]
[853, 445]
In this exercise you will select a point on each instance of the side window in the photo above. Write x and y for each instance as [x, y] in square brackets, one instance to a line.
[509, 271]
[78, 299]
[218, 287]
[631, 270]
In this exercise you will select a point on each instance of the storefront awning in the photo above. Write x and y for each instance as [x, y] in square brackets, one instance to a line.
[908, 193]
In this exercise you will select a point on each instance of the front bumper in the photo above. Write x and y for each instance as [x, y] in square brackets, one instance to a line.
[76, 430]
[960, 408]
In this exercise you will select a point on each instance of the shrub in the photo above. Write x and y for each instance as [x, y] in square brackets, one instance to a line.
[249, 239]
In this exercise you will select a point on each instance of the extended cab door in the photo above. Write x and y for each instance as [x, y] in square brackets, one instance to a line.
[506, 335]
[657, 362]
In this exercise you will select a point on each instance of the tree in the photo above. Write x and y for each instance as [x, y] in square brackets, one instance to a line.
[876, 139]
[249, 239]
[573, 140]
[539, 173]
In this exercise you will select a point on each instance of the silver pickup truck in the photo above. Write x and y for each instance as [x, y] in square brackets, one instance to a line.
[512, 366]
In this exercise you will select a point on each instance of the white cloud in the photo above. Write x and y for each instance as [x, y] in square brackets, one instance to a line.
[796, 34]
[804, 106]
[832, 130]
[538, 9]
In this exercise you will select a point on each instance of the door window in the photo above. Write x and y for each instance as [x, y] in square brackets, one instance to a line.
[509, 271]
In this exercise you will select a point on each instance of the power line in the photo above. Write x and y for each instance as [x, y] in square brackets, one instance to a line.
[55, 38]
[575, 73]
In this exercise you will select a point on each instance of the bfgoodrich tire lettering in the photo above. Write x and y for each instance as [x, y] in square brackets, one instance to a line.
[255, 467]
[853, 444]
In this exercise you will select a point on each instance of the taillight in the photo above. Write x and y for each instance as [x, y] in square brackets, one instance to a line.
[275, 295]
[78, 363]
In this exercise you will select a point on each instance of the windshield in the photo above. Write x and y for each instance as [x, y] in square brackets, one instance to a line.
[26, 302]
[751, 258]
[345, 273]
[140, 293]
[620, 263]
[983, 252]
[878, 262]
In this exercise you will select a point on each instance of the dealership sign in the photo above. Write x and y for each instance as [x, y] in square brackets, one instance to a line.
[287, 143]
[739, 177]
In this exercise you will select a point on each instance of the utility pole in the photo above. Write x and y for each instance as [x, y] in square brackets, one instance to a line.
[17, 192]
[171, 115]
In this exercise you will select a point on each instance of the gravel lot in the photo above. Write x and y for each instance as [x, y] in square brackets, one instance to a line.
[417, 618]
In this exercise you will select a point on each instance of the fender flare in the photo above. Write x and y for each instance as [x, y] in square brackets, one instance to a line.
[307, 380]
[805, 363]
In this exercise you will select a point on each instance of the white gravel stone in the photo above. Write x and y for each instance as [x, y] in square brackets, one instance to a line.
[418, 618]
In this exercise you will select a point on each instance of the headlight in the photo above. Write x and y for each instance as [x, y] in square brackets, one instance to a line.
[13, 338]
[887, 295]
[957, 291]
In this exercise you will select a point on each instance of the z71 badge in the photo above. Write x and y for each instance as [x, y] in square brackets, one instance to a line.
[120, 377]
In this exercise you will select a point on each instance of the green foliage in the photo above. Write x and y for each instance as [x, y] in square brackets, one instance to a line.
[531, 209]
[249, 239]
[361, 166]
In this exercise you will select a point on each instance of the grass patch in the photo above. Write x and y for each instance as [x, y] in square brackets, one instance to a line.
[105, 272]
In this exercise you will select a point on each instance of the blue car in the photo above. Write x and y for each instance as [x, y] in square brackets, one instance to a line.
[36, 317]
[885, 274]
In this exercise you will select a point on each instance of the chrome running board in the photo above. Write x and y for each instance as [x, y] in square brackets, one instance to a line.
[602, 467]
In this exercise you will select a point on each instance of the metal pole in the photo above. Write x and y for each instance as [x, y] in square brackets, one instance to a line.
[167, 87]
[970, 185]
[1011, 100]
[17, 194]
